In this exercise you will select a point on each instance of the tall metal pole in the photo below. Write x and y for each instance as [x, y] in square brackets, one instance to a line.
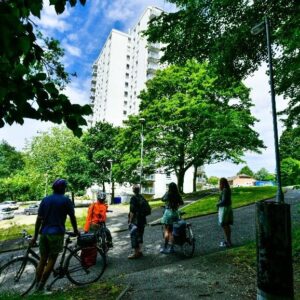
[142, 120]
[273, 220]
[142, 152]
[111, 183]
[279, 195]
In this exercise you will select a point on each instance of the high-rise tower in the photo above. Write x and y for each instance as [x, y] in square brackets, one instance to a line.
[120, 72]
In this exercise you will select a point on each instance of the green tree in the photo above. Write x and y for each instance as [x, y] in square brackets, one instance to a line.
[290, 143]
[214, 180]
[78, 175]
[11, 160]
[31, 75]
[128, 148]
[246, 170]
[190, 119]
[290, 171]
[50, 152]
[264, 175]
[99, 141]
[220, 32]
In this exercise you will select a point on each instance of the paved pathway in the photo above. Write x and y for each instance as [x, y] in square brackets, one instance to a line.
[207, 233]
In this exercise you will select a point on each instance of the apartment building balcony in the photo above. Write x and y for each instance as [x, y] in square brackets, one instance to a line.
[93, 81]
[148, 190]
[94, 73]
[149, 177]
[154, 47]
[153, 59]
[93, 89]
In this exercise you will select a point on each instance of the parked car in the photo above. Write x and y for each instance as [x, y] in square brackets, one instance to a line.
[11, 204]
[6, 214]
[31, 209]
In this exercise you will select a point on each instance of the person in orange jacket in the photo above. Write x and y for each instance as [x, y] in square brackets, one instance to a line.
[97, 215]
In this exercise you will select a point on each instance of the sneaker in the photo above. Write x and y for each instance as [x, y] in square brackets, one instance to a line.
[225, 244]
[222, 244]
[171, 250]
[162, 250]
[135, 256]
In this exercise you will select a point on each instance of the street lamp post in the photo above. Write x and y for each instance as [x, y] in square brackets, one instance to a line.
[273, 220]
[111, 181]
[142, 121]
[264, 25]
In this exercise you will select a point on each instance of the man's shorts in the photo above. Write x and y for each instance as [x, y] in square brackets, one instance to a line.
[51, 244]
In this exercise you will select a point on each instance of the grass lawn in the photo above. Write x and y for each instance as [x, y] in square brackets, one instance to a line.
[240, 196]
[103, 290]
[244, 258]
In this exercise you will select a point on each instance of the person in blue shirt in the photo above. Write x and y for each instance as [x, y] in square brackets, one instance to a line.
[50, 224]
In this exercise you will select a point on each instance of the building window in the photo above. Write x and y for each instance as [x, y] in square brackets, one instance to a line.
[128, 57]
[127, 66]
[168, 175]
[124, 112]
[126, 94]
[126, 84]
[127, 75]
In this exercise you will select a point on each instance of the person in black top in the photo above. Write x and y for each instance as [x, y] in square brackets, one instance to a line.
[225, 213]
[137, 221]
[173, 200]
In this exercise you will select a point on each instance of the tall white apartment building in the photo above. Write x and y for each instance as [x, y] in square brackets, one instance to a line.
[120, 72]
[125, 63]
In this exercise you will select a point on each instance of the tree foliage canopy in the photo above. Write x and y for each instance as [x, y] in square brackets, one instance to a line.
[100, 145]
[31, 75]
[246, 170]
[264, 175]
[290, 143]
[220, 31]
[191, 120]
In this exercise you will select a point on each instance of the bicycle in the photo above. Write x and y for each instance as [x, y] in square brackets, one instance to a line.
[101, 236]
[17, 276]
[184, 239]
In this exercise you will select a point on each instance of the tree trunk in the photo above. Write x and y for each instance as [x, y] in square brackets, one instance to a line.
[180, 180]
[103, 186]
[195, 179]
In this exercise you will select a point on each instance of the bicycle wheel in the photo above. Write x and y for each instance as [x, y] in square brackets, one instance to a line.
[189, 245]
[18, 276]
[79, 272]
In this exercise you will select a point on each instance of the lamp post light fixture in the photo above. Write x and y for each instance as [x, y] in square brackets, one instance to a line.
[273, 220]
[111, 181]
[142, 121]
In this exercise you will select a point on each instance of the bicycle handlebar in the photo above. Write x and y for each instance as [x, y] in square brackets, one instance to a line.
[71, 233]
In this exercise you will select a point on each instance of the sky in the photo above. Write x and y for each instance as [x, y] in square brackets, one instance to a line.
[82, 31]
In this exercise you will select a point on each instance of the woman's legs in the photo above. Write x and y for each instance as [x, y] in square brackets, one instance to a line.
[227, 232]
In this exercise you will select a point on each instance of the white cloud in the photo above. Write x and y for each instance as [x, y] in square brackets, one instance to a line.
[51, 21]
[73, 50]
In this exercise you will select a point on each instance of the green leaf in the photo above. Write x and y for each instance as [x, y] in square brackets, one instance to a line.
[25, 44]
[36, 7]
